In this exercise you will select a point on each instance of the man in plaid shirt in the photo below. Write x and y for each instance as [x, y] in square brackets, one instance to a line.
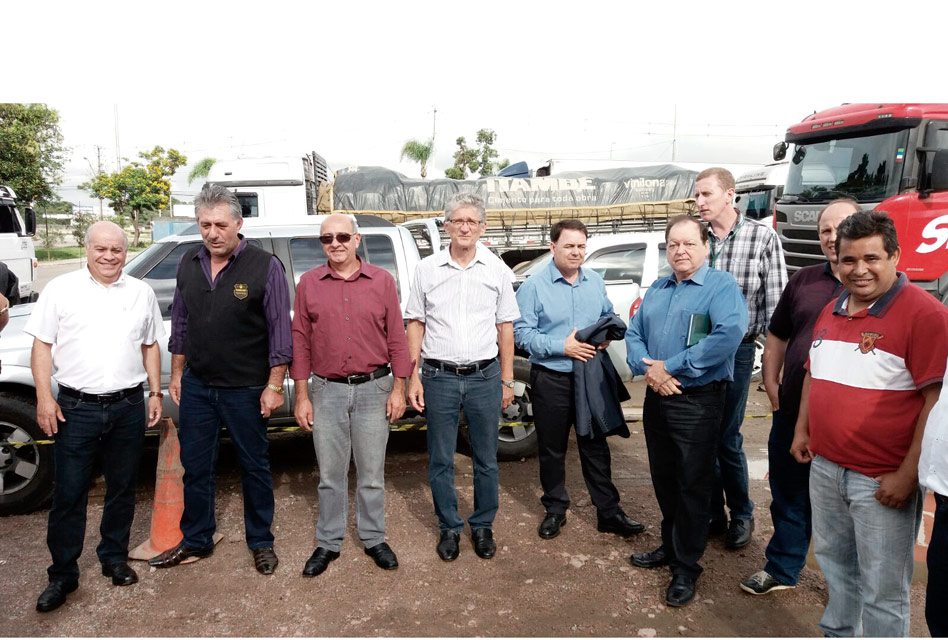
[751, 252]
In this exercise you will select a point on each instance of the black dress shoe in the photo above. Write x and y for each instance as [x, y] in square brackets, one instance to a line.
[265, 560]
[739, 533]
[175, 556]
[448, 545]
[318, 562]
[484, 545]
[383, 555]
[550, 527]
[122, 575]
[619, 524]
[650, 559]
[680, 592]
[54, 595]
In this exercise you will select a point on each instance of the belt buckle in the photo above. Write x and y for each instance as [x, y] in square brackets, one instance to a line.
[106, 398]
[466, 369]
[357, 378]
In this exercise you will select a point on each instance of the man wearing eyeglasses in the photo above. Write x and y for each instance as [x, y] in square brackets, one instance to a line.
[460, 318]
[349, 342]
[230, 345]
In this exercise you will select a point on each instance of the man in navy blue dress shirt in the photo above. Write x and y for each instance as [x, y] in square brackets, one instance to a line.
[683, 340]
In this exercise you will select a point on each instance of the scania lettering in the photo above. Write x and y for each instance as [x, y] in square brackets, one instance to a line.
[889, 157]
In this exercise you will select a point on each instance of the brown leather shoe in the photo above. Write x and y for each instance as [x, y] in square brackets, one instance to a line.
[265, 560]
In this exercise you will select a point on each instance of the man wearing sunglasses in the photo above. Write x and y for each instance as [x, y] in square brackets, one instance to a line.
[460, 317]
[349, 343]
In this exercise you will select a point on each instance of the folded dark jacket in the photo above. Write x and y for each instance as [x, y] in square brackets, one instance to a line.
[598, 388]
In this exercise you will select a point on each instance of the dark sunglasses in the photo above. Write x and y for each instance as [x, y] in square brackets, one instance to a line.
[341, 237]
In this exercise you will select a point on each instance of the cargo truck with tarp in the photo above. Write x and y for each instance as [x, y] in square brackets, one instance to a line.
[521, 210]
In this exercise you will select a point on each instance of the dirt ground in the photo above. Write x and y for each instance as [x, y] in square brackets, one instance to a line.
[579, 584]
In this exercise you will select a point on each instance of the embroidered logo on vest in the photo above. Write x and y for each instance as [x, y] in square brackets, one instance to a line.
[868, 342]
[241, 291]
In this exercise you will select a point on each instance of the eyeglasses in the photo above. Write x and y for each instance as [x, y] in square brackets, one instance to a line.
[471, 224]
[342, 238]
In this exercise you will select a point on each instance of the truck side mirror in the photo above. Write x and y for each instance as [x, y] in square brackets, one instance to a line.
[30, 221]
[780, 151]
[939, 177]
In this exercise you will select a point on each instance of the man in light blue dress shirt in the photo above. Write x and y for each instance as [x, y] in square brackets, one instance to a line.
[554, 303]
[683, 341]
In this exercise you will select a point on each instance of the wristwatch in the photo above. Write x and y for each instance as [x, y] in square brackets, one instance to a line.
[273, 387]
[507, 383]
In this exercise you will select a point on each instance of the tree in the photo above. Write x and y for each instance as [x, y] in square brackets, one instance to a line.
[480, 159]
[203, 167]
[419, 152]
[31, 150]
[138, 191]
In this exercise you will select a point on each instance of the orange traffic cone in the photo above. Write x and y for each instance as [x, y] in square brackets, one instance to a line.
[169, 497]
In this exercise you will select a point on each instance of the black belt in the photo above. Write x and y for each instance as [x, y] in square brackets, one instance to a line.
[717, 385]
[359, 378]
[99, 398]
[460, 369]
[749, 339]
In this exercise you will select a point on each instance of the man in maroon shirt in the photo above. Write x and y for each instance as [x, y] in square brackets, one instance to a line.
[349, 334]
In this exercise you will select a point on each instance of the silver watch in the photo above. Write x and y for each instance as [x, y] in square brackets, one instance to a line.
[507, 383]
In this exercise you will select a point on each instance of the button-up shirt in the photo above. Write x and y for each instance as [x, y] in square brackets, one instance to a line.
[345, 326]
[933, 463]
[461, 306]
[97, 331]
[751, 252]
[551, 307]
[659, 330]
[276, 305]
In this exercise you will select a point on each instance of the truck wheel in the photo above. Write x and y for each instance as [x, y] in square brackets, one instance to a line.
[517, 437]
[26, 468]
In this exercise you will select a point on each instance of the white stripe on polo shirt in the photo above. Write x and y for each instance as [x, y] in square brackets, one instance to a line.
[844, 363]
[461, 307]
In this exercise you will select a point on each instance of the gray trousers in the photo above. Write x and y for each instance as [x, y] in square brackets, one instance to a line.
[349, 422]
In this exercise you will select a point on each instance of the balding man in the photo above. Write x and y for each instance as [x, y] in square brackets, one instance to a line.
[788, 344]
[105, 327]
[349, 343]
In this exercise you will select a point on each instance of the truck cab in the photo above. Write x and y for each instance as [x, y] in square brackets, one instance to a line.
[16, 242]
[759, 190]
[888, 157]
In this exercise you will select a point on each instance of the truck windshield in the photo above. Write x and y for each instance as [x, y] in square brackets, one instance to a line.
[868, 168]
[757, 204]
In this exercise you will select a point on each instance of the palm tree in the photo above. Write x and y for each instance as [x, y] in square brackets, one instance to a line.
[419, 152]
[201, 169]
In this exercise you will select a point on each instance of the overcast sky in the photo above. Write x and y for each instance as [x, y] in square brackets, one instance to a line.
[353, 81]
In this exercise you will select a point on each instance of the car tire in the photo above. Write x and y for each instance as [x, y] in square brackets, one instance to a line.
[26, 466]
[517, 436]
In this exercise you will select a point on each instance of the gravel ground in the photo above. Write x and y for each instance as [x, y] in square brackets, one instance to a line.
[579, 584]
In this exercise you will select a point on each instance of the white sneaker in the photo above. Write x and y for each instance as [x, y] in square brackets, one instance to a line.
[761, 583]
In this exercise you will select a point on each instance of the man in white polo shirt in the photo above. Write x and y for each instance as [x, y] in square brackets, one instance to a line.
[460, 316]
[104, 326]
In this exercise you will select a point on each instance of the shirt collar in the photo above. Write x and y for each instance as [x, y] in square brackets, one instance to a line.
[325, 271]
[698, 277]
[555, 274]
[880, 305]
[444, 256]
[121, 279]
[204, 254]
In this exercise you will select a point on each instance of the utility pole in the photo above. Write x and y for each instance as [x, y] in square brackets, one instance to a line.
[98, 161]
[118, 153]
[434, 123]
[674, 131]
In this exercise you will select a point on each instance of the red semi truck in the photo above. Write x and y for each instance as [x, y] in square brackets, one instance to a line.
[889, 157]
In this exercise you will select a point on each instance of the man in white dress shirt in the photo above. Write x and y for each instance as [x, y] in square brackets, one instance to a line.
[460, 317]
[933, 475]
[99, 328]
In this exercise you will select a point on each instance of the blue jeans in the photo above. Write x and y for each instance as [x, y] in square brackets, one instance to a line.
[865, 550]
[790, 506]
[203, 410]
[349, 421]
[730, 470]
[936, 596]
[479, 395]
[112, 433]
